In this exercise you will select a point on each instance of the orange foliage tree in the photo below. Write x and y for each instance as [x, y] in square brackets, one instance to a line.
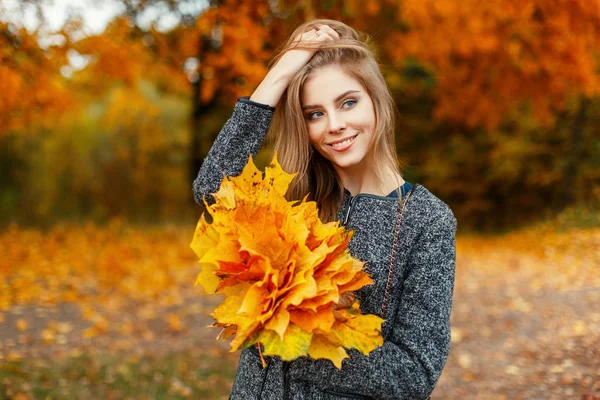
[125, 54]
[30, 82]
[488, 57]
[492, 72]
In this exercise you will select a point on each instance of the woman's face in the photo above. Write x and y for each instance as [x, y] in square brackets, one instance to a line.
[339, 116]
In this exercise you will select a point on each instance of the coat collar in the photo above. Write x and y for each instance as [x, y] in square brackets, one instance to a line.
[362, 201]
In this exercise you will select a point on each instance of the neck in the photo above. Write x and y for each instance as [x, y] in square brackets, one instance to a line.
[362, 179]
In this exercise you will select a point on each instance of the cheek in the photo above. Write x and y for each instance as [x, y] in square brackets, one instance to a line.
[314, 134]
[366, 116]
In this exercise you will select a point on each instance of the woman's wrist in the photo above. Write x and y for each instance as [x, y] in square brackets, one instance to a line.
[271, 88]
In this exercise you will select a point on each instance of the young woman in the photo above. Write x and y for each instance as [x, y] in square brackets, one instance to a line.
[332, 119]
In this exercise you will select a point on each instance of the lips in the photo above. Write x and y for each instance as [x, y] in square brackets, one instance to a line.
[347, 140]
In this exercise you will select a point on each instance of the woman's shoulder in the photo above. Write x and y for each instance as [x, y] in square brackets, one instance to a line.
[430, 209]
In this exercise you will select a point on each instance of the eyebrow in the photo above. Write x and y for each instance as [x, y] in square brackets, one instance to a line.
[341, 96]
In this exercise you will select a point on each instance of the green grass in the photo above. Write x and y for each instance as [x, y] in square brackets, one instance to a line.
[190, 374]
[576, 217]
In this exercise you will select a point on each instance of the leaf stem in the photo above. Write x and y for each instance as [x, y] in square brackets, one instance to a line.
[264, 363]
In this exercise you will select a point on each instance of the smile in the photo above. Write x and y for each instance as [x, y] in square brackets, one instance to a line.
[343, 144]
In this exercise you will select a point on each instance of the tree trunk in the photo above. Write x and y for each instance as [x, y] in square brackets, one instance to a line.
[567, 189]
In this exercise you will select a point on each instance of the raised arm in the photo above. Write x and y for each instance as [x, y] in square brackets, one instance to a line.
[242, 135]
[244, 132]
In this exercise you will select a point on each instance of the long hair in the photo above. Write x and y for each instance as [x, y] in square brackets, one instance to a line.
[316, 176]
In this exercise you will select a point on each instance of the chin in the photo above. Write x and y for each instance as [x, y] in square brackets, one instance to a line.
[346, 162]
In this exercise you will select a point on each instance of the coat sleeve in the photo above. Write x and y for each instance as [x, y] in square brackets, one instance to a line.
[410, 362]
[242, 135]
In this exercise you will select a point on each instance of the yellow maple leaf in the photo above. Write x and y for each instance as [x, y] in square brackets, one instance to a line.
[294, 344]
[321, 347]
[360, 332]
[282, 271]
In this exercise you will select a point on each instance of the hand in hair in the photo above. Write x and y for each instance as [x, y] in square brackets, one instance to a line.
[304, 46]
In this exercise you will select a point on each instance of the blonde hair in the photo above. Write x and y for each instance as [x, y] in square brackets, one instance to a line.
[316, 176]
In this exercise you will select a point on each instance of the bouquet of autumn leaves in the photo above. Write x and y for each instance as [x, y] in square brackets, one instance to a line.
[287, 277]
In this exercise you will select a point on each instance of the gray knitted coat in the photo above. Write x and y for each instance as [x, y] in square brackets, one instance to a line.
[417, 327]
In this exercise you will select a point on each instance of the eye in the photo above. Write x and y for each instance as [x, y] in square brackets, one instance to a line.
[349, 103]
[313, 115]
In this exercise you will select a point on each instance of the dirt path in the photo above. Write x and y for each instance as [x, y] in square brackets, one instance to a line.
[514, 338]
[131, 327]
[521, 329]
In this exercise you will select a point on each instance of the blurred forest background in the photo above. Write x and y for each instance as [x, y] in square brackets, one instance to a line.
[102, 133]
[499, 103]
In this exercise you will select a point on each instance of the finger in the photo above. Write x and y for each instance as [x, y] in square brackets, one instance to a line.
[339, 316]
[311, 35]
[316, 36]
[329, 30]
[323, 34]
[322, 37]
[307, 35]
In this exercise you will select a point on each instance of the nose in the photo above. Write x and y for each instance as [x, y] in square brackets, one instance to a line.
[336, 123]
